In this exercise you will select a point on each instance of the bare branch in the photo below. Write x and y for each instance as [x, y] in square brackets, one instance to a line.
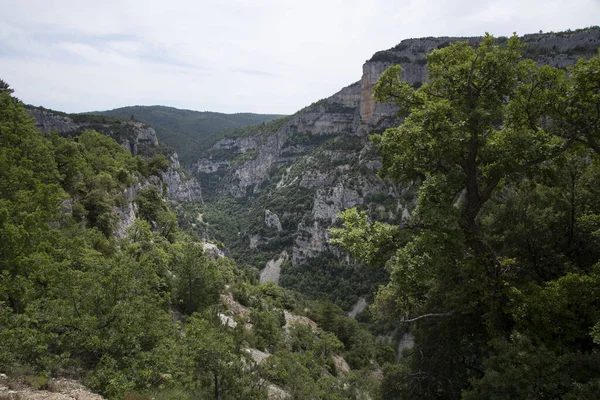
[432, 315]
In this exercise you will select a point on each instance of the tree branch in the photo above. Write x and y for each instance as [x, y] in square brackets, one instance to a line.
[432, 315]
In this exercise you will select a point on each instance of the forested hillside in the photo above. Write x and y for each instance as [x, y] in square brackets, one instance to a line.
[272, 192]
[145, 314]
[187, 131]
[457, 191]
[497, 272]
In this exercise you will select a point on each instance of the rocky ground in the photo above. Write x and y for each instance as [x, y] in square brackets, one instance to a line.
[54, 389]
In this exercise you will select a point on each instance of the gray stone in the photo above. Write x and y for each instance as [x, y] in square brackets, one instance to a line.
[272, 221]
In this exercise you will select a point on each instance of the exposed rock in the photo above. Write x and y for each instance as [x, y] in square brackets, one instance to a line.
[311, 240]
[298, 319]
[126, 213]
[212, 250]
[341, 365]
[359, 307]
[257, 356]
[180, 187]
[233, 307]
[255, 240]
[330, 202]
[227, 321]
[334, 177]
[141, 134]
[406, 342]
[276, 393]
[130, 135]
[272, 270]
[61, 389]
[208, 166]
[272, 221]
[377, 374]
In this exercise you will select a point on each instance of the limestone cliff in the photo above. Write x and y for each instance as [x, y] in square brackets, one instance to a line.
[139, 139]
[136, 137]
[130, 134]
[310, 166]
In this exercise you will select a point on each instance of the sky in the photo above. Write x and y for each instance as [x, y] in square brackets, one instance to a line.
[263, 56]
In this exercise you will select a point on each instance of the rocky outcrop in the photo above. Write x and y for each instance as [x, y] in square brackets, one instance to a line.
[272, 270]
[359, 307]
[55, 389]
[180, 185]
[212, 250]
[129, 134]
[272, 221]
[126, 212]
[322, 152]
[341, 365]
[311, 240]
[133, 136]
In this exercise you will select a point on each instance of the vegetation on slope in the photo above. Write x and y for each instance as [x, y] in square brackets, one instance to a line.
[499, 281]
[140, 316]
[186, 130]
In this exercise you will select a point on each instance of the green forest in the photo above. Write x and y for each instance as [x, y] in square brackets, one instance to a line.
[497, 274]
[495, 277]
[186, 131]
[140, 315]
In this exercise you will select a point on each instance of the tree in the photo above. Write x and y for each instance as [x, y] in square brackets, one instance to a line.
[5, 88]
[485, 139]
[578, 112]
[475, 125]
[198, 281]
[210, 353]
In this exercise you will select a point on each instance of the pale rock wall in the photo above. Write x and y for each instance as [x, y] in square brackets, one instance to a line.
[351, 112]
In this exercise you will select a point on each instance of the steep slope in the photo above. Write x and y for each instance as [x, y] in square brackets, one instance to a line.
[136, 137]
[147, 314]
[185, 130]
[278, 187]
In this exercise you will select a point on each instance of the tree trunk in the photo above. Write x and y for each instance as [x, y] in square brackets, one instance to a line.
[216, 386]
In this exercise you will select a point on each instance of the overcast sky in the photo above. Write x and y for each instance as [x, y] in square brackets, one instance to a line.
[264, 56]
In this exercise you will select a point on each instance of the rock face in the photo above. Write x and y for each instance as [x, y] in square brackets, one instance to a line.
[180, 185]
[129, 134]
[305, 169]
[272, 221]
[132, 136]
[272, 270]
[359, 307]
[136, 138]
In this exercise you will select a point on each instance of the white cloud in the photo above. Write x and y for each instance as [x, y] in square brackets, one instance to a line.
[263, 56]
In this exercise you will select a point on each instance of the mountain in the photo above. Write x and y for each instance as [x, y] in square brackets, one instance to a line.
[136, 137]
[186, 130]
[101, 285]
[141, 310]
[274, 190]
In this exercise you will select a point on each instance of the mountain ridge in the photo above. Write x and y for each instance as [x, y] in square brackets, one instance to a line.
[320, 162]
[183, 129]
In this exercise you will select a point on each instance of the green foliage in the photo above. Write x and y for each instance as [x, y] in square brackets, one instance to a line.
[198, 280]
[154, 209]
[370, 243]
[501, 243]
[561, 313]
[158, 163]
[267, 324]
[187, 131]
[324, 277]
[212, 359]
[135, 317]
[520, 370]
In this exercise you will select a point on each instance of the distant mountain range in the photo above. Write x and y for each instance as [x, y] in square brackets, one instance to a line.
[185, 130]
